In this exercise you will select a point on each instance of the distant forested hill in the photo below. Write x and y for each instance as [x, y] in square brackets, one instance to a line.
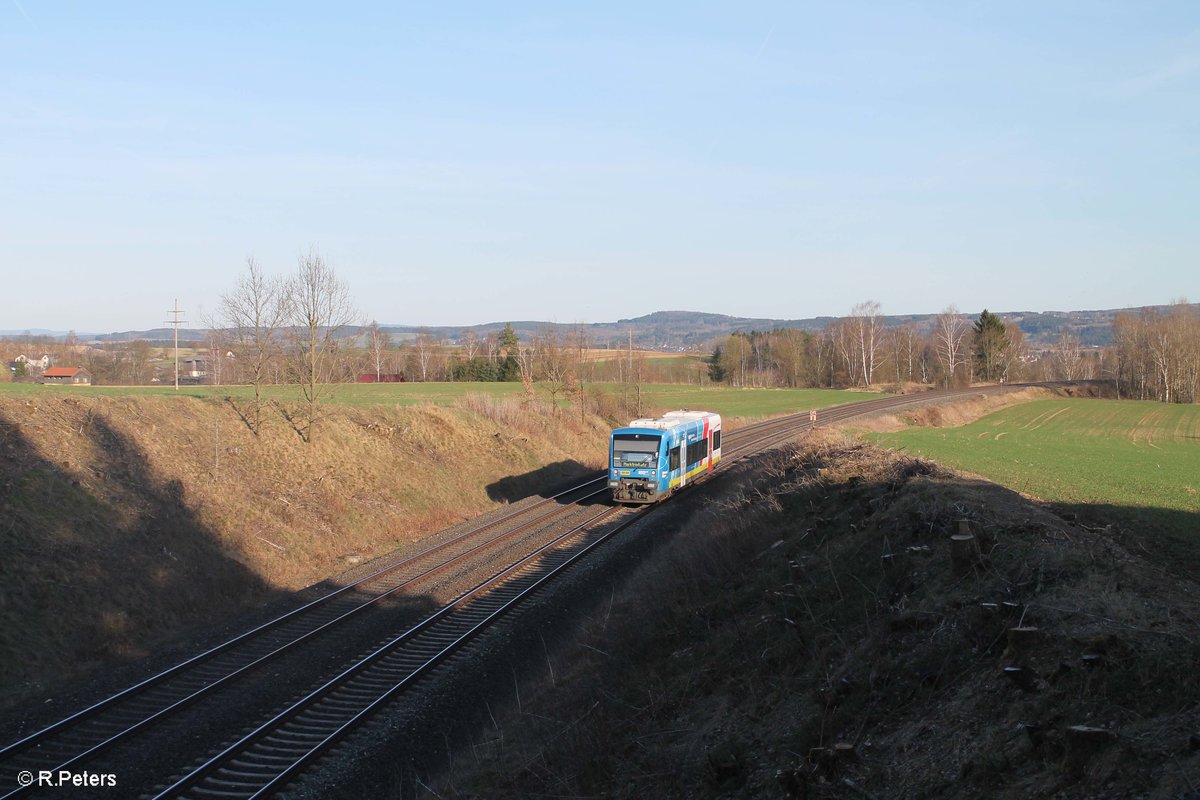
[694, 330]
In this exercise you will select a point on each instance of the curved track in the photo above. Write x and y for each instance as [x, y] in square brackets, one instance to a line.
[265, 759]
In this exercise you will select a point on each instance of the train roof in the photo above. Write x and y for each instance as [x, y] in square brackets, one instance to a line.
[672, 419]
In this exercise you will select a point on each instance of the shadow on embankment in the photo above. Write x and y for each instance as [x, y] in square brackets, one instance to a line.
[545, 481]
[820, 591]
[100, 557]
[1170, 537]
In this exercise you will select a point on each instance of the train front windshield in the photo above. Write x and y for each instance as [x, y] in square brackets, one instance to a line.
[635, 451]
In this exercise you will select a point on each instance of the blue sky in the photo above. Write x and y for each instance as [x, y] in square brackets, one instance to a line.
[461, 163]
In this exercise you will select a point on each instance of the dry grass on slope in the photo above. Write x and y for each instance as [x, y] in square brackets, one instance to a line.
[128, 519]
[945, 415]
[807, 636]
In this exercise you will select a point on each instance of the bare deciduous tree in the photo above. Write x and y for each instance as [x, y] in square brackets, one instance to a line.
[215, 340]
[320, 308]
[845, 345]
[791, 353]
[949, 329]
[253, 313]
[378, 342]
[823, 349]
[903, 341]
[736, 356]
[556, 365]
[526, 356]
[867, 327]
[423, 348]
[1068, 356]
[1015, 353]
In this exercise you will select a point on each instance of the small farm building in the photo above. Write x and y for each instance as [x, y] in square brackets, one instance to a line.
[73, 376]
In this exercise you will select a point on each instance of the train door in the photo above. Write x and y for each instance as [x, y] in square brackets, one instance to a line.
[683, 465]
[714, 454]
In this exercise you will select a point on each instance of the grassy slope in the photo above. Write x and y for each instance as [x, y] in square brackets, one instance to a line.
[1121, 453]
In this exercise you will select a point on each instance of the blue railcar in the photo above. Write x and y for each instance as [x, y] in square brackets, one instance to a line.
[650, 458]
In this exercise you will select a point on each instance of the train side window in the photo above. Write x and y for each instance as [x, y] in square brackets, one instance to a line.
[674, 458]
[716, 440]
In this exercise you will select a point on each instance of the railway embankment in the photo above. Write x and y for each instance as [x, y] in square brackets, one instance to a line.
[129, 525]
[815, 630]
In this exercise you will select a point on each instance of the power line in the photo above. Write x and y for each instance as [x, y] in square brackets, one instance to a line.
[176, 322]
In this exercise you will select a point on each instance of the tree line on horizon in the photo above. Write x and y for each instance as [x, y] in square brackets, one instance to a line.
[1155, 356]
[291, 330]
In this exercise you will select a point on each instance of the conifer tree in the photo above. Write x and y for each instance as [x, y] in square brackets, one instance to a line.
[989, 343]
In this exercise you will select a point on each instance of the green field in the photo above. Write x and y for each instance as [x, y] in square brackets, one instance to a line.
[750, 403]
[1133, 455]
[347, 394]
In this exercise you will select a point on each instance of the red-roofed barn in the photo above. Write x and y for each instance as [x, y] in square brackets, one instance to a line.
[71, 376]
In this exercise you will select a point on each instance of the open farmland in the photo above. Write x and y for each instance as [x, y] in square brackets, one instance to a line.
[354, 394]
[751, 403]
[1139, 456]
[731, 402]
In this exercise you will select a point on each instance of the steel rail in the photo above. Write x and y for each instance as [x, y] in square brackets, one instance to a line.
[230, 676]
[769, 431]
[91, 746]
[338, 720]
[241, 753]
[251, 768]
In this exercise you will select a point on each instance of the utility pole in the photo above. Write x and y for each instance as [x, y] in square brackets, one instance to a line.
[175, 322]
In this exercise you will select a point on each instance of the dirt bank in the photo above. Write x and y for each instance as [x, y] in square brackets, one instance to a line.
[126, 520]
[809, 635]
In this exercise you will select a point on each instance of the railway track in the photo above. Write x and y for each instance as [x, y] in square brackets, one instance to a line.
[265, 759]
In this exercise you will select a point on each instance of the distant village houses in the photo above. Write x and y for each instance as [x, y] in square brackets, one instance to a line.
[25, 368]
[195, 370]
[34, 363]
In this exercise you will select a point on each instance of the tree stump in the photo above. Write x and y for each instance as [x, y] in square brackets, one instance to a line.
[964, 552]
[1025, 680]
[1021, 642]
[1083, 742]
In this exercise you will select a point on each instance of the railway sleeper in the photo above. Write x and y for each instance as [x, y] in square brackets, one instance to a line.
[204, 791]
[324, 716]
[314, 727]
[217, 779]
[255, 777]
[372, 682]
[291, 744]
[261, 761]
[348, 696]
[264, 750]
[299, 737]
